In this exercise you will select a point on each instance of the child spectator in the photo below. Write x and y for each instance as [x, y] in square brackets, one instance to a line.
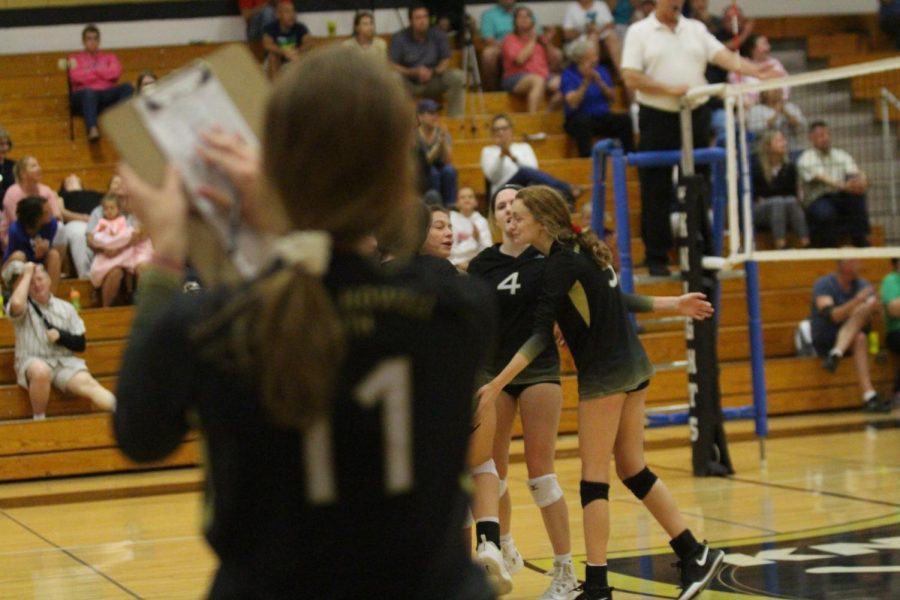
[775, 188]
[37, 237]
[115, 238]
[435, 149]
[283, 39]
[526, 70]
[48, 332]
[471, 233]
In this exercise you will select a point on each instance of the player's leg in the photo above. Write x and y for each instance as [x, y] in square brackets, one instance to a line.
[506, 414]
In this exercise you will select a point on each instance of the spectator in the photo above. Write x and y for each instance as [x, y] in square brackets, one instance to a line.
[526, 71]
[737, 28]
[496, 24]
[890, 297]
[591, 20]
[146, 81]
[80, 203]
[364, 37]
[515, 162]
[774, 113]
[283, 39]
[842, 307]
[889, 19]
[471, 232]
[700, 12]
[834, 191]
[435, 146]
[94, 76]
[624, 13]
[36, 237]
[28, 175]
[116, 239]
[118, 280]
[257, 14]
[757, 49]
[48, 333]
[587, 89]
[664, 56]
[775, 191]
[7, 165]
[421, 54]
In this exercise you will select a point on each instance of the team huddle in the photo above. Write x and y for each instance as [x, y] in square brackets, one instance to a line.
[335, 394]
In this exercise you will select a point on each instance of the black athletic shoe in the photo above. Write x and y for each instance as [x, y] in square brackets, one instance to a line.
[875, 405]
[831, 362]
[698, 571]
[594, 593]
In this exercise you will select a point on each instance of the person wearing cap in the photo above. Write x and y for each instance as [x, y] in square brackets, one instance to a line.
[435, 148]
[7, 165]
[48, 333]
[664, 56]
[421, 54]
[94, 76]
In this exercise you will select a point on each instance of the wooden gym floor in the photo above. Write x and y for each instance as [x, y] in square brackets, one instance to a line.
[820, 519]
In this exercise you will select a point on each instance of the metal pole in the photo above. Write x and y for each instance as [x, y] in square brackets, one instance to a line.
[757, 366]
[745, 179]
[687, 140]
[623, 227]
[888, 147]
[731, 174]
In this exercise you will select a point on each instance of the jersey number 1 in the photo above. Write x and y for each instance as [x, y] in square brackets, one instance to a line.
[388, 384]
[511, 283]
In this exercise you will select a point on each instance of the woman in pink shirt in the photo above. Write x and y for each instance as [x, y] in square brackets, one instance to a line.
[28, 183]
[525, 68]
[94, 76]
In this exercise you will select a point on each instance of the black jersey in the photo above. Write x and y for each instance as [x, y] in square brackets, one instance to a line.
[516, 281]
[366, 503]
[591, 311]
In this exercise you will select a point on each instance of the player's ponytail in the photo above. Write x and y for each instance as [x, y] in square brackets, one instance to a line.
[549, 209]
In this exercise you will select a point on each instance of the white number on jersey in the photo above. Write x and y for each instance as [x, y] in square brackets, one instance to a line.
[389, 384]
[511, 283]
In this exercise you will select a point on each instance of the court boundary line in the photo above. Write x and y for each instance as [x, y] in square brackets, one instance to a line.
[74, 557]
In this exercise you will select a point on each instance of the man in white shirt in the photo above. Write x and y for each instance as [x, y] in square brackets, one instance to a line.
[834, 191]
[664, 56]
[515, 162]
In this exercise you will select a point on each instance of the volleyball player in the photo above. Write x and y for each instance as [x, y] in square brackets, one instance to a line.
[580, 293]
[336, 429]
[485, 510]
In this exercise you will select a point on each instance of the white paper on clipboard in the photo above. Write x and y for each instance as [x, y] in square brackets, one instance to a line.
[175, 112]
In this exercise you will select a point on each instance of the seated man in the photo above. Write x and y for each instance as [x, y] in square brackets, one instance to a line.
[421, 54]
[496, 24]
[834, 191]
[94, 76]
[433, 142]
[283, 38]
[48, 332]
[842, 307]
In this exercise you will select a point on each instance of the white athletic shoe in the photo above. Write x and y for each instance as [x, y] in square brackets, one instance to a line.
[489, 555]
[563, 585]
[511, 557]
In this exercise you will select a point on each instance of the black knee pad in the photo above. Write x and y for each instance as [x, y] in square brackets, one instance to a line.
[593, 490]
[641, 484]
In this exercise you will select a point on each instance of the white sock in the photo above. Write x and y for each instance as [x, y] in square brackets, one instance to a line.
[869, 395]
[836, 352]
[39, 417]
[562, 559]
[505, 538]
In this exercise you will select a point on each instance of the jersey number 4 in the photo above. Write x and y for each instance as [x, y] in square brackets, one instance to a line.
[390, 385]
[511, 284]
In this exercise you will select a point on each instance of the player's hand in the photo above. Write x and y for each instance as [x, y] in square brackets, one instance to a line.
[424, 74]
[41, 247]
[52, 335]
[162, 211]
[695, 305]
[865, 293]
[487, 394]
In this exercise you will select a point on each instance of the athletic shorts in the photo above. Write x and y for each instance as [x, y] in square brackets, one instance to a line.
[515, 389]
[509, 83]
[62, 367]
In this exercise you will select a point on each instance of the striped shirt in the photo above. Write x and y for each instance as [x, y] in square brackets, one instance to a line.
[31, 333]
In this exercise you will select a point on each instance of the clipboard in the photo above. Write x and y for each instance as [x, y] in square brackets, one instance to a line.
[247, 87]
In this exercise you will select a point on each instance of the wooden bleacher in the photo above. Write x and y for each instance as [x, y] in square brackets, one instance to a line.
[77, 439]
